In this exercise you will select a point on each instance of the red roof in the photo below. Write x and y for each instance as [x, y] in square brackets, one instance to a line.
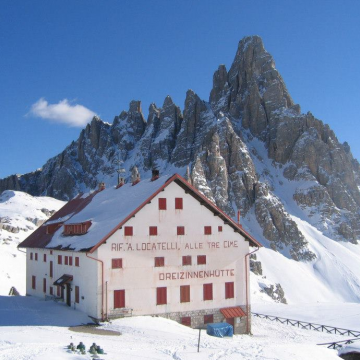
[232, 312]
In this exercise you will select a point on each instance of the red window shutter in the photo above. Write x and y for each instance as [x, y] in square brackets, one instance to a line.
[201, 260]
[33, 282]
[66, 260]
[51, 290]
[208, 291]
[184, 293]
[36, 257]
[77, 294]
[70, 260]
[116, 263]
[59, 259]
[219, 228]
[77, 261]
[44, 285]
[51, 269]
[51, 252]
[181, 230]
[207, 230]
[153, 230]
[186, 320]
[208, 319]
[162, 203]
[128, 231]
[186, 260]
[161, 296]
[229, 290]
[159, 261]
[31, 256]
[119, 299]
[178, 203]
[44, 257]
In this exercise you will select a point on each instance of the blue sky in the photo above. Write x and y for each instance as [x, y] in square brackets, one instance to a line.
[100, 55]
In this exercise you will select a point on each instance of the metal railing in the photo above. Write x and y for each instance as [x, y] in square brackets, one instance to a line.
[311, 326]
[338, 344]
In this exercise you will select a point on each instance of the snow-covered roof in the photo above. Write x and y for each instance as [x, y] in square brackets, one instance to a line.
[108, 210]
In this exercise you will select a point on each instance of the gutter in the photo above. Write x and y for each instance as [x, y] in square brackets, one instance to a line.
[247, 278]
[102, 284]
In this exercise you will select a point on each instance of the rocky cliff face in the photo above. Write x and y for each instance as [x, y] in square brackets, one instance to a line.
[249, 148]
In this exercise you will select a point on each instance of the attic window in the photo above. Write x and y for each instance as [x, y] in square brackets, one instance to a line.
[77, 229]
[51, 228]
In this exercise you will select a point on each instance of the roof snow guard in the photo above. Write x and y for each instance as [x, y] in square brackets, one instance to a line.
[232, 312]
[65, 279]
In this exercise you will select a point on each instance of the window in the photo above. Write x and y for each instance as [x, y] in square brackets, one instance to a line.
[44, 257]
[162, 204]
[207, 230]
[51, 290]
[128, 231]
[51, 269]
[186, 260]
[219, 228]
[159, 261]
[186, 320]
[44, 285]
[51, 252]
[161, 296]
[77, 229]
[153, 230]
[208, 319]
[31, 256]
[184, 293]
[181, 230]
[77, 261]
[116, 263]
[119, 299]
[70, 260]
[33, 282]
[178, 203]
[201, 260]
[208, 291]
[77, 294]
[59, 259]
[36, 256]
[66, 260]
[229, 290]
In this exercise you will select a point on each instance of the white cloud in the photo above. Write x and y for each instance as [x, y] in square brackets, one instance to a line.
[63, 112]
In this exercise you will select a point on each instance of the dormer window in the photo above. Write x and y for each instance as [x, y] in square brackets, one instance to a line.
[77, 229]
[51, 228]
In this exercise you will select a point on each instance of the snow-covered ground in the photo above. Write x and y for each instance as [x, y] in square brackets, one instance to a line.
[20, 213]
[36, 329]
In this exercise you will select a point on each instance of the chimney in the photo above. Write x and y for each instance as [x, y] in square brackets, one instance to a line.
[135, 176]
[102, 186]
[155, 174]
[121, 182]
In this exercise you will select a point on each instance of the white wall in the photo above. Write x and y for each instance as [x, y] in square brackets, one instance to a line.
[140, 278]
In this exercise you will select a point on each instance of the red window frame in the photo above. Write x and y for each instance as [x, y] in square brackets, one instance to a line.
[162, 203]
[208, 319]
[161, 295]
[116, 263]
[59, 259]
[207, 230]
[178, 203]
[33, 282]
[44, 258]
[208, 291]
[66, 260]
[31, 256]
[44, 285]
[186, 321]
[77, 294]
[77, 261]
[181, 230]
[159, 261]
[51, 266]
[186, 260]
[229, 290]
[70, 260]
[119, 299]
[219, 228]
[153, 230]
[128, 231]
[36, 256]
[201, 259]
[184, 293]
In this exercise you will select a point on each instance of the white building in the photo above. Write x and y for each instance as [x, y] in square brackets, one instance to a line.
[154, 248]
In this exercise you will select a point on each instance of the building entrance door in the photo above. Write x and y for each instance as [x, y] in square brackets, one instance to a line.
[231, 321]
